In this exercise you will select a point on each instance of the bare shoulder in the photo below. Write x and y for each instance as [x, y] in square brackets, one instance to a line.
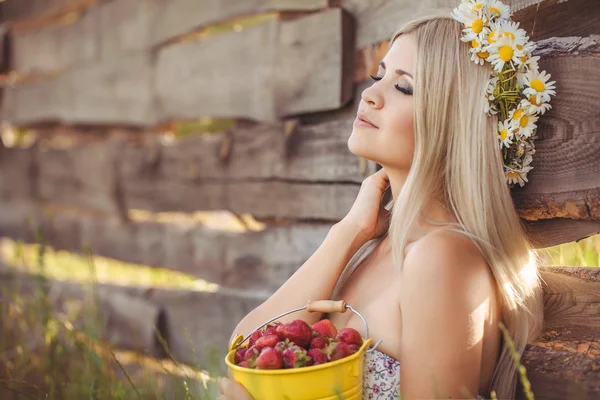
[447, 260]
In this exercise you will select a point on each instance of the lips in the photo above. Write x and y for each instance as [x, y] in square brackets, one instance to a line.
[362, 118]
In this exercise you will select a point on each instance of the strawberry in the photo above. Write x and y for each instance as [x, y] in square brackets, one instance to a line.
[269, 358]
[349, 336]
[255, 336]
[282, 345]
[267, 341]
[270, 329]
[339, 350]
[295, 357]
[319, 342]
[353, 348]
[325, 327]
[252, 353]
[239, 355]
[318, 356]
[246, 364]
[297, 331]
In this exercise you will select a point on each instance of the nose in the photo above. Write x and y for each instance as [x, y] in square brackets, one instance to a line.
[372, 97]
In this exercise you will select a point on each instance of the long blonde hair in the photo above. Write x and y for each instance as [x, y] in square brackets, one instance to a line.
[457, 159]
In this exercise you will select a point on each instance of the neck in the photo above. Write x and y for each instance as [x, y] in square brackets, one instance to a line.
[434, 212]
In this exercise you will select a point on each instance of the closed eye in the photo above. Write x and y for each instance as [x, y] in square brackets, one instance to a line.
[404, 90]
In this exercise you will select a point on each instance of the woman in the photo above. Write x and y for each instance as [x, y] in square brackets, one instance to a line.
[436, 269]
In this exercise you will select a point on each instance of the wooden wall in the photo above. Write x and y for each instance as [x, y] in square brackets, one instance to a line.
[103, 82]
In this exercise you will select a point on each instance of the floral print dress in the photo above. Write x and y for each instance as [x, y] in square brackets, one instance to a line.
[381, 379]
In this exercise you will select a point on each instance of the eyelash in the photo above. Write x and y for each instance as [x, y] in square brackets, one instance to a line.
[400, 88]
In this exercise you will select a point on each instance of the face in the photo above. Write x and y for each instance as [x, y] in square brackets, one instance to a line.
[388, 105]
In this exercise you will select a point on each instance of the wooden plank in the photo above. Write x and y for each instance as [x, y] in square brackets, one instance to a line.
[57, 47]
[231, 259]
[81, 177]
[232, 74]
[118, 91]
[174, 18]
[125, 26]
[16, 10]
[552, 232]
[18, 174]
[378, 20]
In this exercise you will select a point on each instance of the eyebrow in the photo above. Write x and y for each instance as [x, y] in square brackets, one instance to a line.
[398, 71]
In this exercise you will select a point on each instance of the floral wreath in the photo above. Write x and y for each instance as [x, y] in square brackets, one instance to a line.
[517, 90]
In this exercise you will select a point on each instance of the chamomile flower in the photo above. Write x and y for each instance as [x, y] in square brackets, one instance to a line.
[505, 134]
[503, 51]
[478, 52]
[517, 175]
[498, 11]
[538, 86]
[523, 123]
[474, 21]
[533, 107]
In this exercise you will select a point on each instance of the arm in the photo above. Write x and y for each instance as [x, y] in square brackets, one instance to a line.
[314, 280]
[444, 299]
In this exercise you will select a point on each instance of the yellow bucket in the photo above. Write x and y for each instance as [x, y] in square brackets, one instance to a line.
[339, 379]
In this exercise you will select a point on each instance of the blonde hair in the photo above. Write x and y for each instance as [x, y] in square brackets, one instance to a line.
[457, 159]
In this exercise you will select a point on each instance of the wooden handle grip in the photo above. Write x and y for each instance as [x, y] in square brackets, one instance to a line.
[326, 306]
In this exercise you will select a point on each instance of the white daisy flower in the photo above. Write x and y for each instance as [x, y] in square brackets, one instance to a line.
[474, 23]
[504, 51]
[478, 53]
[498, 11]
[517, 175]
[505, 133]
[533, 107]
[538, 86]
[490, 108]
[523, 123]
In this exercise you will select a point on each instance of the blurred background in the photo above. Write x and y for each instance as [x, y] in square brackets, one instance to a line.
[165, 165]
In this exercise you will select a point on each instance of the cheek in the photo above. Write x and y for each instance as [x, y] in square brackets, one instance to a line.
[399, 139]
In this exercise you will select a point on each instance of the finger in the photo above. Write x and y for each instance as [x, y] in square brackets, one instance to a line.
[233, 390]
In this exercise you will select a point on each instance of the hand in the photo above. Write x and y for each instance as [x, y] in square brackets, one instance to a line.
[232, 390]
[368, 214]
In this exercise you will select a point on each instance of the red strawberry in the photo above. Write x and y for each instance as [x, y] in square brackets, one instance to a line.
[246, 364]
[269, 358]
[297, 331]
[317, 356]
[267, 341]
[270, 329]
[349, 336]
[339, 350]
[254, 337]
[239, 355]
[353, 348]
[282, 345]
[319, 342]
[325, 327]
[295, 357]
[252, 353]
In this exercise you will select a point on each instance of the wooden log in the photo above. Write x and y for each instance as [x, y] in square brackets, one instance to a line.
[256, 75]
[377, 20]
[57, 47]
[19, 174]
[173, 18]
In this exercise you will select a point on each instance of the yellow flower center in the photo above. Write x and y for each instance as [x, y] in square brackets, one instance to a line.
[509, 35]
[518, 113]
[476, 7]
[477, 25]
[483, 54]
[512, 174]
[506, 53]
[503, 134]
[519, 47]
[494, 10]
[537, 85]
[474, 43]
[524, 59]
[524, 121]
[532, 101]
[491, 37]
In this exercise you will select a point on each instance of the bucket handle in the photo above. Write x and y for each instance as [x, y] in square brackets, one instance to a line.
[322, 306]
